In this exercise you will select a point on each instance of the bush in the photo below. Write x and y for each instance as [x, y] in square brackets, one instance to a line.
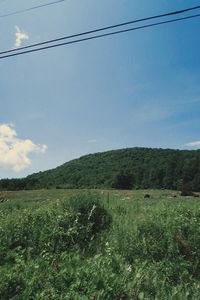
[186, 191]
[90, 210]
[123, 181]
[53, 229]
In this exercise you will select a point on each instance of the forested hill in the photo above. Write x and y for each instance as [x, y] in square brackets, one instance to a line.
[125, 168]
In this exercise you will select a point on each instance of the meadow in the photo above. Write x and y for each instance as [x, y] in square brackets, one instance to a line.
[101, 244]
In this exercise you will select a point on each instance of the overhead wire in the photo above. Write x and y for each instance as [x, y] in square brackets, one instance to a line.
[31, 8]
[59, 1]
[101, 36]
[172, 13]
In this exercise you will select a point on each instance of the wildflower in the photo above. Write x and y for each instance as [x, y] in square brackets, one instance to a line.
[129, 268]
[91, 212]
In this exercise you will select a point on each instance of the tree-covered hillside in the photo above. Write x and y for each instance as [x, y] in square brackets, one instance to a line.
[125, 168]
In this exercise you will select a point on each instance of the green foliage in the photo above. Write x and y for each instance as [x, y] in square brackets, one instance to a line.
[135, 167]
[99, 246]
[123, 181]
[89, 210]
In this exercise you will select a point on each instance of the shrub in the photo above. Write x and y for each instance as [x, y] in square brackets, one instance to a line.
[123, 181]
[90, 210]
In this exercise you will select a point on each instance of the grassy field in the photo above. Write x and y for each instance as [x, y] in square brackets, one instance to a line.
[70, 244]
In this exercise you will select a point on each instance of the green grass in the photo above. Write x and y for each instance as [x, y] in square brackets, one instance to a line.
[70, 244]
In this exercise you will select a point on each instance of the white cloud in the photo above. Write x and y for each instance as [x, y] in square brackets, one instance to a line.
[195, 144]
[14, 152]
[20, 36]
[92, 141]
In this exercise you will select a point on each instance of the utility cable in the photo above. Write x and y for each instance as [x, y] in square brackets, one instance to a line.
[102, 29]
[31, 8]
[101, 36]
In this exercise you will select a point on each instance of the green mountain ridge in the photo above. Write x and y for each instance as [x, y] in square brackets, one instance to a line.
[137, 167]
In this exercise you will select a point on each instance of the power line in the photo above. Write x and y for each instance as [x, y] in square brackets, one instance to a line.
[58, 1]
[103, 29]
[100, 36]
[30, 8]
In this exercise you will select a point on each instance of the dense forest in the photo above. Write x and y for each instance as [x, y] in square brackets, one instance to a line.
[131, 168]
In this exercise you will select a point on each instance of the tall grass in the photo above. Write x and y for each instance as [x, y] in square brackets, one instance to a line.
[102, 245]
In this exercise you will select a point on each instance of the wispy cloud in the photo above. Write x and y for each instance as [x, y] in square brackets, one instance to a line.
[20, 37]
[195, 144]
[92, 141]
[34, 116]
[14, 152]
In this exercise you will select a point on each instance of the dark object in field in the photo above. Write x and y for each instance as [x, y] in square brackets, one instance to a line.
[195, 195]
[186, 191]
[189, 193]
[174, 195]
[183, 247]
[3, 199]
[55, 264]
[147, 196]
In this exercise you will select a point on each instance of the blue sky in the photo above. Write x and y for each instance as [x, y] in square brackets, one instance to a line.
[135, 89]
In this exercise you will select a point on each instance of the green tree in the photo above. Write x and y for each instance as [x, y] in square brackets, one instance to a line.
[123, 181]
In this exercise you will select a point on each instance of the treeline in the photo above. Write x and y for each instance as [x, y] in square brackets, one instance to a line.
[137, 168]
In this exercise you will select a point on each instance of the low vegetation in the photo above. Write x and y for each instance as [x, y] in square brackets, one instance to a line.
[60, 244]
